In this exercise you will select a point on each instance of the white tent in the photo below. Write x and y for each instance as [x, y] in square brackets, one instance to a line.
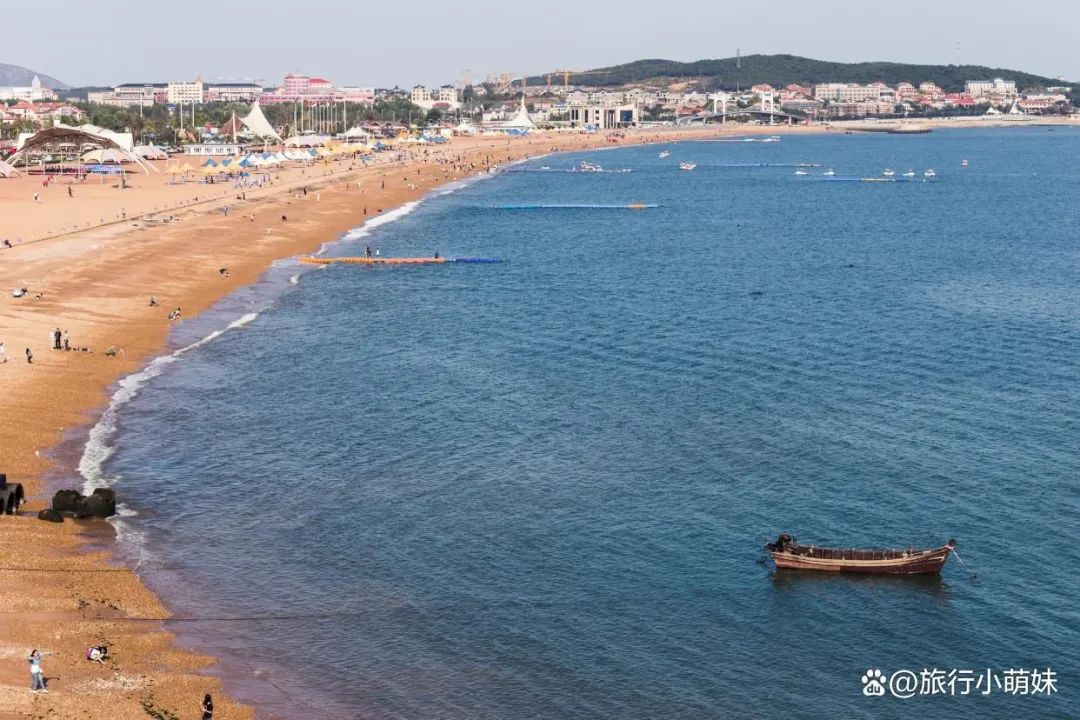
[521, 121]
[257, 123]
[150, 152]
[7, 170]
[110, 156]
[125, 140]
[307, 141]
[357, 132]
[466, 128]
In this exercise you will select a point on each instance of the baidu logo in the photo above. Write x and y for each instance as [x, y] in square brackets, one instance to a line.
[904, 684]
[873, 683]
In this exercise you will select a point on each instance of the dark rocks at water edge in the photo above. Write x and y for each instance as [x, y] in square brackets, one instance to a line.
[100, 504]
[50, 515]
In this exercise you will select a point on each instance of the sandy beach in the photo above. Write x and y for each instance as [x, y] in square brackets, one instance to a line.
[90, 262]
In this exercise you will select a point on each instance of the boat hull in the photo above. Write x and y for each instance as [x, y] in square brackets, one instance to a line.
[926, 562]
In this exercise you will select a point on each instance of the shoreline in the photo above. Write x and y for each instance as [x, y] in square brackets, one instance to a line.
[88, 597]
[148, 656]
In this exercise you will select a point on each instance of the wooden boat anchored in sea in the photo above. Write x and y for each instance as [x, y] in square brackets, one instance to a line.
[788, 553]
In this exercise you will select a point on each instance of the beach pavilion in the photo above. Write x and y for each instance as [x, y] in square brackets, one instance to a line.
[54, 141]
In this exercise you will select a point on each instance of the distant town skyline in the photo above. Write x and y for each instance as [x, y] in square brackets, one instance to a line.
[105, 43]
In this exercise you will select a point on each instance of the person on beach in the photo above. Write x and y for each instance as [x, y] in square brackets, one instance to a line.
[56, 335]
[37, 678]
[97, 654]
[29, 357]
[153, 301]
[70, 194]
[207, 707]
[67, 346]
[3, 354]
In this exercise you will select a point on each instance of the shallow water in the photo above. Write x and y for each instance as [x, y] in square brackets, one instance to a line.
[538, 489]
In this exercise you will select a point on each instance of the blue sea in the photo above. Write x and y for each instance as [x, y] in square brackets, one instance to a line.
[540, 488]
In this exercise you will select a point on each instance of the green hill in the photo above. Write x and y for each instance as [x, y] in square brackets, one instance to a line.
[781, 70]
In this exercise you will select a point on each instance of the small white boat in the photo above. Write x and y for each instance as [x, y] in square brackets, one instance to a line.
[829, 173]
[687, 166]
[665, 154]
[587, 166]
[909, 173]
[963, 163]
[888, 172]
[800, 172]
[930, 174]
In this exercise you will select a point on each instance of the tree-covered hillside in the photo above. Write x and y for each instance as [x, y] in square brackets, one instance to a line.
[780, 70]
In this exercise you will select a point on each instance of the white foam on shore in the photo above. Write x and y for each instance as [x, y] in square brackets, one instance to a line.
[98, 450]
[382, 219]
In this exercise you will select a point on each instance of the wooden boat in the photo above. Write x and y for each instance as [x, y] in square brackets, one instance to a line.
[788, 553]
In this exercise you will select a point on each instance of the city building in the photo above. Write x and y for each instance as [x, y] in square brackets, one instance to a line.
[997, 86]
[446, 97]
[41, 112]
[33, 92]
[227, 149]
[186, 93]
[233, 92]
[603, 117]
[853, 93]
[306, 89]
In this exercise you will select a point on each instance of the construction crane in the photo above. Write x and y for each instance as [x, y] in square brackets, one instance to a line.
[567, 73]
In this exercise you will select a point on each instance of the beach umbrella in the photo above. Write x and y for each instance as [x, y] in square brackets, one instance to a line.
[173, 170]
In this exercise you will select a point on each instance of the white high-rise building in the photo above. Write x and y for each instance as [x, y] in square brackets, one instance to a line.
[997, 86]
[186, 92]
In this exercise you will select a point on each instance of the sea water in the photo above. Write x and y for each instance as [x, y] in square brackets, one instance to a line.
[540, 489]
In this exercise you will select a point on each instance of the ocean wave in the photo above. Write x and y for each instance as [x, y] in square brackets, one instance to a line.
[98, 450]
[379, 220]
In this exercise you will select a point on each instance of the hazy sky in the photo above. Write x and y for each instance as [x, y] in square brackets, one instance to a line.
[351, 42]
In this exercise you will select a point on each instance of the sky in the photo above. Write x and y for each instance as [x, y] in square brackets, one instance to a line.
[349, 42]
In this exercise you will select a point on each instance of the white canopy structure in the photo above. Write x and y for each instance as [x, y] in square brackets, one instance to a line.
[520, 123]
[125, 140]
[357, 132]
[466, 128]
[307, 141]
[257, 123]
[7, 170]
[108, 156]
[103, 145]
[150, 152]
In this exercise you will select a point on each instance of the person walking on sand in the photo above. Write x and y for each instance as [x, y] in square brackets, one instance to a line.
[67, 346]
[29, 357]
[56, 338]
[37, 679]
[207, 707]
